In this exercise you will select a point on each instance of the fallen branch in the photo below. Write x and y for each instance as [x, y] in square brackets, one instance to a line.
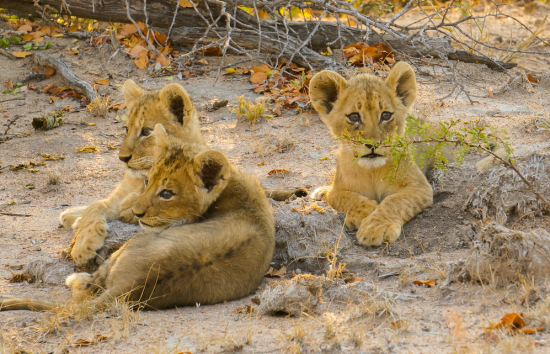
[13, 214]
[7, 54]
[13, 99]
[68, 76]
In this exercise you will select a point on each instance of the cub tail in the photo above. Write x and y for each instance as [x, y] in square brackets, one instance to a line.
[282, 195]
[26, 304]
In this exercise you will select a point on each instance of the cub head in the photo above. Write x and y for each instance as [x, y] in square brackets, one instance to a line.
[182, 184]
[170, 107]
[367, 105]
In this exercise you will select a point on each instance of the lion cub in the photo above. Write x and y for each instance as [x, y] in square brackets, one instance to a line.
[209, 236]
[374, 108]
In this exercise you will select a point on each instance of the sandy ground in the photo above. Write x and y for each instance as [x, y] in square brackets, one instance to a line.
[422, 325]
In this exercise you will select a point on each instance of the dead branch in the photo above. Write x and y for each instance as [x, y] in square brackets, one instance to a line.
[68, 76]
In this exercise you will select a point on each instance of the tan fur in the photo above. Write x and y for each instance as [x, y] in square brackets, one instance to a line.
[375, 207]
[170, 107]
[211, 241]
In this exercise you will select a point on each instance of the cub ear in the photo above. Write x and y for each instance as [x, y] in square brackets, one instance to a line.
[402, 80]
[162, 138]
[175, 98]
[132, 92]
[212, 169]
[324, 89]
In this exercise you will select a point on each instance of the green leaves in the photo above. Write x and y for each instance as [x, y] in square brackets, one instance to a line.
[5, 42]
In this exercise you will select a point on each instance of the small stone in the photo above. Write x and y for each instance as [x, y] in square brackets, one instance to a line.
[298, 271]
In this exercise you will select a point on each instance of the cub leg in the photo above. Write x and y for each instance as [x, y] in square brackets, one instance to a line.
[126, 213]
[92, 225]
[68, 217]
[490, 161]
[356, 206]
[385, 223]
[321, 193]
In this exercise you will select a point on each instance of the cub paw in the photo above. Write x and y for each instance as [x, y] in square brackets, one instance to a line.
[68, 217]
[88, 238]
[79, 284]
[321, 193]
[128, 216]
[353, 219]
[374, 232]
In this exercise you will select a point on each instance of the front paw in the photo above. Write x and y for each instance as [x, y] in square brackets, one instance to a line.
[88, 239]
[353, 219]
[373, 231]
[128, 216]
[69, 216]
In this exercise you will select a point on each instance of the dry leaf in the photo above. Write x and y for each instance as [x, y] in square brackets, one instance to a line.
[454, 323]
[25, 28]
[281, 273]
[261, 68]
[73, 28]
[509, 321]
[103, 82]
[88, 149]
[118, 106]
[27, 37]
[141, 63]
[87, 342]
[163, 60]
[258, 77]
[202, 61]
[57, 90]
[277, 171]
[186, 3]
[428, 283]
[9, 84]
[530, 330]
[48, 72]
[490, 94]
[261, 164]
[213, 52]
[21, 54]
[532, 79]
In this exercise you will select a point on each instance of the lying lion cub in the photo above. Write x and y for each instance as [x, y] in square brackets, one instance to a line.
[376, 109]
[210, 236]
[171, 107]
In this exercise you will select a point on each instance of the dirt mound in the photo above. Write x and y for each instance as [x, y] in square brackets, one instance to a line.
[502, 193]
[500, 254]
[44, 270]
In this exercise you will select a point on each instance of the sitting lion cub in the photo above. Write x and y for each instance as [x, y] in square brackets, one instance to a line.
[210, 236]
[374, 108]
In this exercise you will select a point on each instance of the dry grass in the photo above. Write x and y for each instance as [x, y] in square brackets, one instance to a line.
[249, 110]
[54, 178]
[99, 106]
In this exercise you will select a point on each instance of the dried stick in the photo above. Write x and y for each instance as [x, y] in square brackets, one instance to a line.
[151, 47]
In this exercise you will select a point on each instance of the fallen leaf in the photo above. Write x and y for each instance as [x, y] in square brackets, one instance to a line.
[490, 93]
[202, 61]
[428, 283]
[323, 158]
[185, 3]
[509, 321]
[103, 82]
[21, 54]
[258, 77]
[532, 79]
[261, 164]
[53, 99]
[88, 149]
[261, 68]
[47, 87]
[48, 72]
[277, 171]
[141, 63]
[118, 106]
[213, 52]
[72, 28]
[91, 124]
[9, 84]
[25, 28]
[281, 273]
[87, 342]
[26, 37]
[454, 323]
[57, 90]
[530, 330]
[164, 62]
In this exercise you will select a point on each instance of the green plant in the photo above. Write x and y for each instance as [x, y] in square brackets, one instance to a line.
[5, 42]
[35, 46]
[14, 90]
[251, 111]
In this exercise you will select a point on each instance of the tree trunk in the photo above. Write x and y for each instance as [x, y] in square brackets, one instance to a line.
[190, 26]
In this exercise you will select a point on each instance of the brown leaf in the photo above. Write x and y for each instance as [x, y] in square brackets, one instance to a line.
[48, 72]
[281, 273]
[73, 28]
[103, 82]
[530, 330]
[202, 61]
[47, 88]
[213, 52]
[509, 321]
[532, 79]
[9, 84]
[25, 28]
[87, 342]
[454, 323]
[88, 149]
[164, 62]
[57, 90]
[261, 68]
[27, 37]
[186, 3]
[428, 283]
[21, 54]
[277, 171]
[141, 63]
[258, 77]
[138, 51]
[118, 106]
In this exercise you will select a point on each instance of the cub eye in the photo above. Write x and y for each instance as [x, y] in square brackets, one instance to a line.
[354, 117]
[145, 132]
[386, 116]
[126, 130]
[146, 181]
[166, 194]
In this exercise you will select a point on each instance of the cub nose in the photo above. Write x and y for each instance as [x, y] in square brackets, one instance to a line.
[369, 146]
[125, 159]
[138, 215]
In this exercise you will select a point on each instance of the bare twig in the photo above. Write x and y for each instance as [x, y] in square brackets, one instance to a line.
[151, 47]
